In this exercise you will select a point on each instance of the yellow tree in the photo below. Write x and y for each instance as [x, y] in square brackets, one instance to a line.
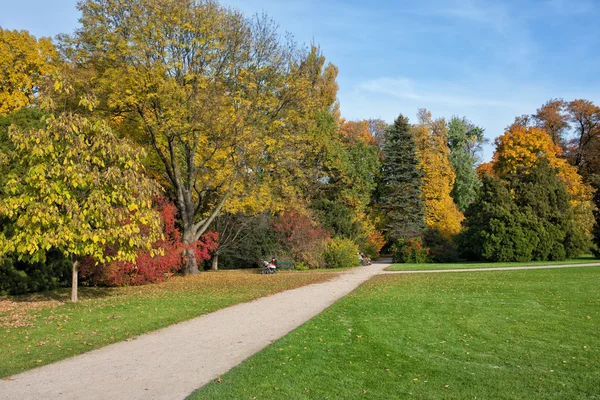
[522, 146]
[81, 191]
[223, 102]
[25, 65]
[431, 137]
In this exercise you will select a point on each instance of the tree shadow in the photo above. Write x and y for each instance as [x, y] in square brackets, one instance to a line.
[63, 295]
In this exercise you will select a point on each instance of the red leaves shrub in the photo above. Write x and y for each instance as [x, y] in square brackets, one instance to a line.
[302, 237]
[148, 269]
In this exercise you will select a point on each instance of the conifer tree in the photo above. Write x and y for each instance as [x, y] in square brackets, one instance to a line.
[402, 198]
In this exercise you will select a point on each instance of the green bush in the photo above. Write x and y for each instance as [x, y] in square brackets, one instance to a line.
[441, 248]
[410, 251]
[301, 266]
[18, 277]
[341, 253]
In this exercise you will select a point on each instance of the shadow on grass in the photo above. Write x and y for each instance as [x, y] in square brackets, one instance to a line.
[63, 295]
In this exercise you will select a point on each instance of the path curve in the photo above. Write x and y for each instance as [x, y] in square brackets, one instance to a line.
[172, 362]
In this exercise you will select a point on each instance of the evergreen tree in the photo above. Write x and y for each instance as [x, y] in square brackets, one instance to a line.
[464, 140]
[402, 199]
[494, 227]
[525, 217]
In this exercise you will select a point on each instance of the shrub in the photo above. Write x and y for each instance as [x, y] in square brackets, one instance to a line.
[410, 251]
[301, 266]
[341, 253]
[441, 248]
[149, 268]
[19, 277]
[304, 239]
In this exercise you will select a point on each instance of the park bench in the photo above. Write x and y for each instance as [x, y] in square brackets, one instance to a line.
[285, 264]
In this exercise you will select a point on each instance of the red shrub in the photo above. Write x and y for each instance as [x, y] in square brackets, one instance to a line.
[304, 238]
[149, 269]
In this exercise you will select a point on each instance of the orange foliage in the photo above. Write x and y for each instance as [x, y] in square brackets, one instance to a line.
[522, 146]
[354, 131]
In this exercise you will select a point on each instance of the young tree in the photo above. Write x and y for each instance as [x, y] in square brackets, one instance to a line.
[431, 138]
[464, 141]
[82, 192]
[402, 197]
[223, 102]
[26, 64]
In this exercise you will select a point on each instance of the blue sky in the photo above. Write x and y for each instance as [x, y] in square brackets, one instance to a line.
[488, 60]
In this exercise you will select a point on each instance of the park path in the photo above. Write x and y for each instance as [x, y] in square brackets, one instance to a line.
[172, 362]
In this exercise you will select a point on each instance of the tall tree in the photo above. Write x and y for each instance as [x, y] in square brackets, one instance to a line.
[523, 146]
[222, 101]
[584, 147]
[464, 141]
[526, 216]
[431, 138]
[402, 197]
[82, 192]
[551, 117]
[26, 64]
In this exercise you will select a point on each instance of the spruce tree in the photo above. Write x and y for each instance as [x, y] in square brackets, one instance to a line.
[402, 199]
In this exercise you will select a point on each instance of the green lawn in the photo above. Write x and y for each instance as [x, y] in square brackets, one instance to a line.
[496, 335]
[470, 265]
[39, 329]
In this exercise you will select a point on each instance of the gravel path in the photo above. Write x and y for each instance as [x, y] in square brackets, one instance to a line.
[172, 362]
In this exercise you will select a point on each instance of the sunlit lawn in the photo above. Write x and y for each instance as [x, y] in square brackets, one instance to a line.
[39, 329]
[495, 335]
[469, 265]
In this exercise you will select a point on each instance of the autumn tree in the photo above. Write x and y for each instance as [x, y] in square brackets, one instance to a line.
[551, 117]
[26, 64]
[223, 101]
[431, 138]
[523, 217]
[82, 192]
[584, 148]
[523, 146]
[464, 141]
[401, 193]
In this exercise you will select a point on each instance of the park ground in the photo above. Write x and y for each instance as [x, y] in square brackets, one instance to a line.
[497, 335]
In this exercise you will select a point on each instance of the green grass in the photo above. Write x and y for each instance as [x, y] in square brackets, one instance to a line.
[471, 265]
[43, 328]
[499, 335]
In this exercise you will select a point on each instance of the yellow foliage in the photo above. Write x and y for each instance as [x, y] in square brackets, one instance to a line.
[441, 213]
[522, 146]
[25, 65]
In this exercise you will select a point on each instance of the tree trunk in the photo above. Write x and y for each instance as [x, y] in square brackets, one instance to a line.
[74, 283]
[215, 262]
[191, 265]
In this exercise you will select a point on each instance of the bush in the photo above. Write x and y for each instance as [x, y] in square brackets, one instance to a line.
[301, 237]
[441, 248]
[410, 251]
[19, 277]
[148, 269]
[301, 266]
[341, 253]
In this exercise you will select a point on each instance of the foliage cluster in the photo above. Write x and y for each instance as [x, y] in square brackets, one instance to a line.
[341, 253]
